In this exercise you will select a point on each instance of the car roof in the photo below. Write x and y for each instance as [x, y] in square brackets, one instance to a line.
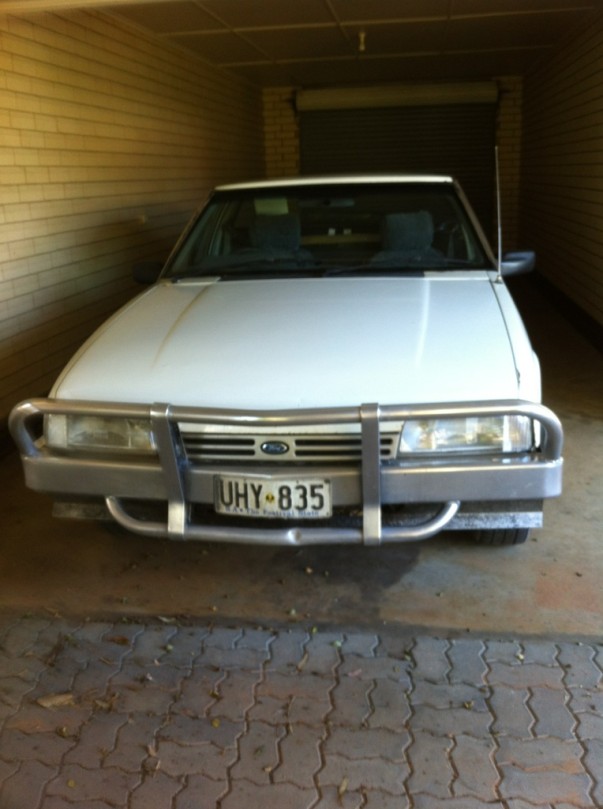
[348, 179]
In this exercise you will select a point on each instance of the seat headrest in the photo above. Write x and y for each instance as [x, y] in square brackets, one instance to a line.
[276, 232]
[408, 231]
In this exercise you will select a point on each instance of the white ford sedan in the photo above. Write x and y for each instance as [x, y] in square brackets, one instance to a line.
[320, 360]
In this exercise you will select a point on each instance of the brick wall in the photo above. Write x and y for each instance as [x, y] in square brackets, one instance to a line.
[108, 142]
[562, 180]
[281, 133]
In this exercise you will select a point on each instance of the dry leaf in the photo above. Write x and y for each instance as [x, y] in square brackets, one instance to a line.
[302, 662]
[342, 788]
[121, 640]
[56, 700]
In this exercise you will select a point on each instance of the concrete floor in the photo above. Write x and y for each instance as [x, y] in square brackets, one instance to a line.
[550, 586]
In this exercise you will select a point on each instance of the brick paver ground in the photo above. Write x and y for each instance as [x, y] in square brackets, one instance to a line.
[167, 716]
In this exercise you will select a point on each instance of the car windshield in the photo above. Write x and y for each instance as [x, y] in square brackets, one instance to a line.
[328, 230]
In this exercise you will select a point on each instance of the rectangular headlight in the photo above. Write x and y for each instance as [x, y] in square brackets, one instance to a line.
[476, 434]
[99, 433]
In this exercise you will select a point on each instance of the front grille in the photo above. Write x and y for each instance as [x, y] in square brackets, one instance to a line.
[201, 447]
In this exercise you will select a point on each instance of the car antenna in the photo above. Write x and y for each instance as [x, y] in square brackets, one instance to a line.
[498, 217]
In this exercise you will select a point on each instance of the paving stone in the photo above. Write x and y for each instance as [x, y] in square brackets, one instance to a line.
[334, 798]
[364, 743]
[252, 659]
[467, 662]
[375, 799]
[132, 742]
[525, 675]
[374, 773]
[390, 703]
[259, 639]
[156, 789]
[236, 695]
[25, 788]
[304, 710]
[431, 660]
[23, 635]
[431, 770]
[351, 705]
[545, 787]
[541, 652]
[287, 650]
[198, 692]
[48, 747]
[579, 662]
[95, 678]
[502, 651]
[14, 689]
[251, 796]
[586, 700]
[97, 738]
[361, 645]
[207, 759]
[590, 726]
[543, 771]
[512, 717]
[553, 718]
[258, 753]
[32, 718]
[191, 730]
[322, 654]
[288, 686]
[593, 762]
[452, 721]
[477, 775]
[56, 802]
[78, 784]
[300, 756]
[429, 802]
[222, 638]
[442, 695]
[144, 698]
[200, 792]
[378, 668]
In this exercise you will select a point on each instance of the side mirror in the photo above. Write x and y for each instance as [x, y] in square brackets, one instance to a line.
[147, 272]
[518, 263]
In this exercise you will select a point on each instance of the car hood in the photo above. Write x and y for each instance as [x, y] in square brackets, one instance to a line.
[297, 343]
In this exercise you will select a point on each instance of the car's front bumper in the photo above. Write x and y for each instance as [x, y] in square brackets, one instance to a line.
[457, 491]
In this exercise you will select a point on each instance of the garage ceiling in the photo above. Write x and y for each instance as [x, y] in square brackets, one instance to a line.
[309, 43]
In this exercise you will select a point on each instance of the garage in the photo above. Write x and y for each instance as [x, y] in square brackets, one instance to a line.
[141, 672]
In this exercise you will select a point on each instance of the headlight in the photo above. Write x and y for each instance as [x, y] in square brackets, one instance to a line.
[99, 433]
[495, 434]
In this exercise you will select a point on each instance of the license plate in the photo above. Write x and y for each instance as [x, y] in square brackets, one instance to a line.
[246, 496]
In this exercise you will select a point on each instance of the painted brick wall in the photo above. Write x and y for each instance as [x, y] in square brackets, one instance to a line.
[281, 132]
[108, 142]
[562, 178]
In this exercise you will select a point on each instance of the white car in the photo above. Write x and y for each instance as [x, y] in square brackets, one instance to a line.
[320, 360]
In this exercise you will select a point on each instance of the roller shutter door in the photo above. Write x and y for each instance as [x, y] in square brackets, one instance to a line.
[456, 139]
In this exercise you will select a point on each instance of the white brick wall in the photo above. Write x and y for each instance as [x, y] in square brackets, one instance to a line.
[108, 142]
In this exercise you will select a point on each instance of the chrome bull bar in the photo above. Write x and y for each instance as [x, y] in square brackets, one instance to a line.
[173, 464]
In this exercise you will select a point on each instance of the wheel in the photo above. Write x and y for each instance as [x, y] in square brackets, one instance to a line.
[502, 536]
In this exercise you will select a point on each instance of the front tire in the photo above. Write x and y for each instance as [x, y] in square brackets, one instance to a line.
[502, 536]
